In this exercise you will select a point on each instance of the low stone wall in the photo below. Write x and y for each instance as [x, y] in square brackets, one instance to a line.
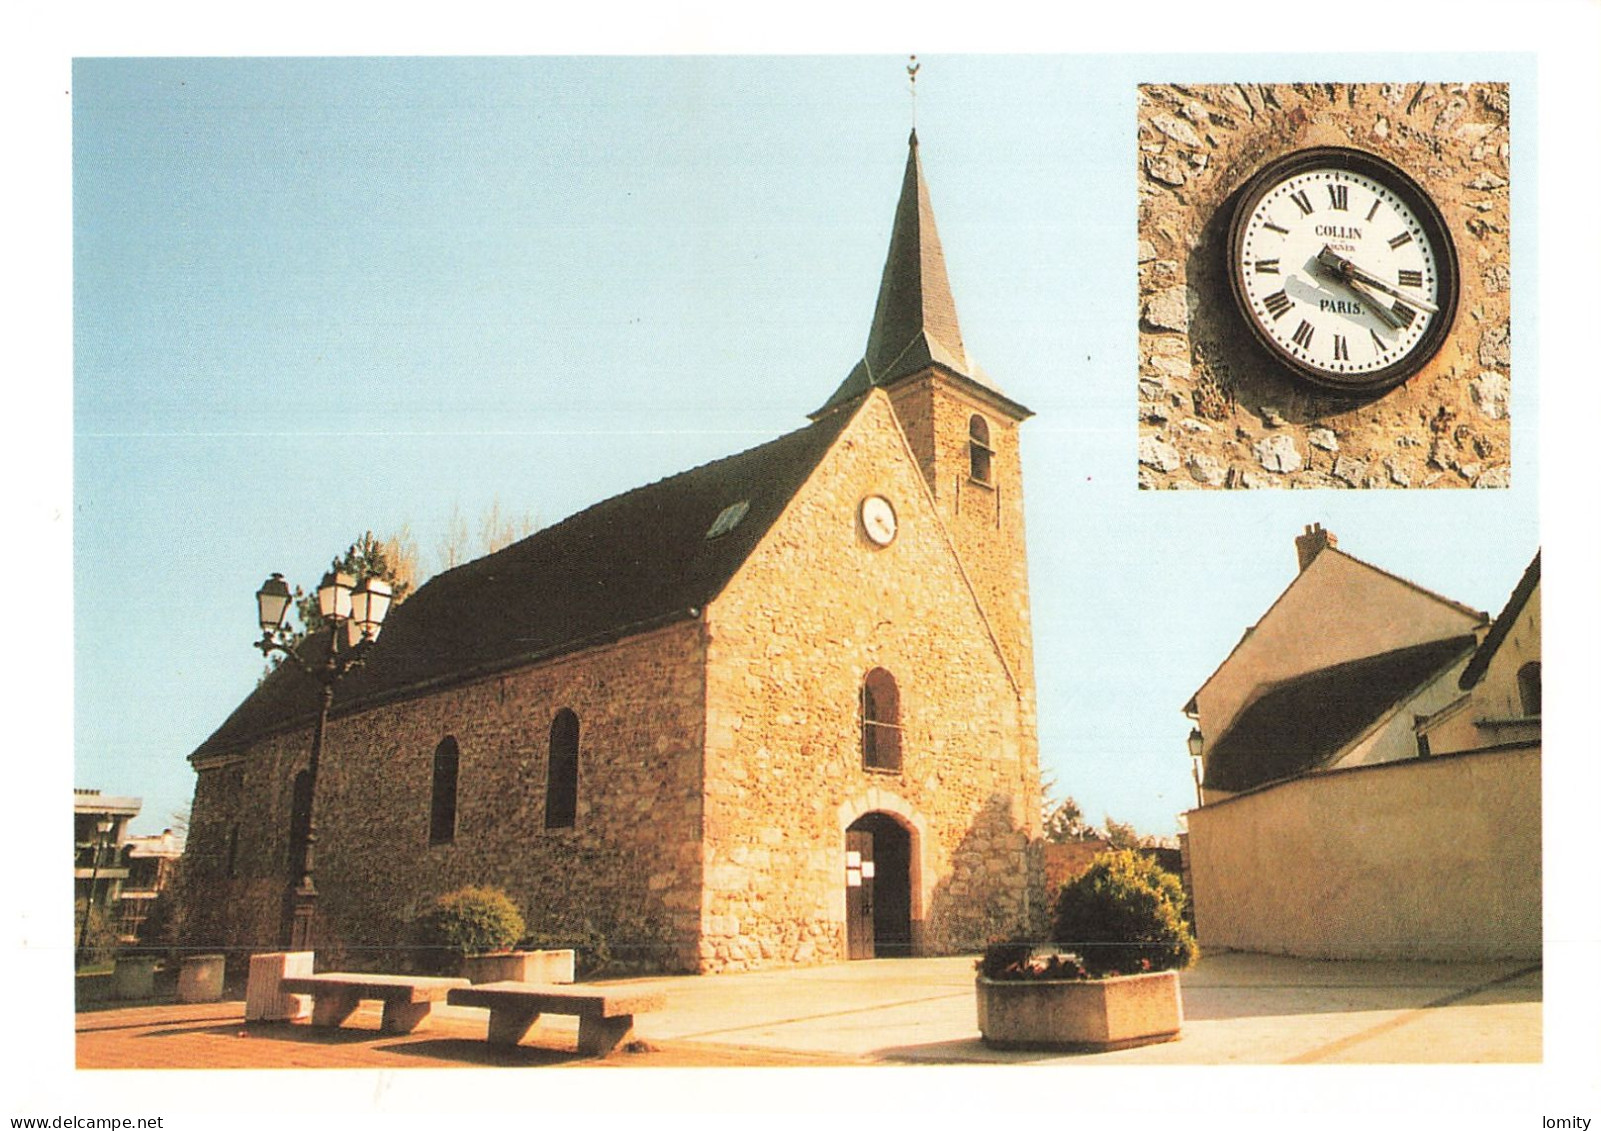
[1434, 858]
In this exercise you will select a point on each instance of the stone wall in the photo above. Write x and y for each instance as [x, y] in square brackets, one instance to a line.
[1215, 410]
[628, 871]
[985, 520]
[784, 763]
[1434, 858]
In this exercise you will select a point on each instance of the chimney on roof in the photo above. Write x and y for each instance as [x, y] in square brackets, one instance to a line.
[1312, 543]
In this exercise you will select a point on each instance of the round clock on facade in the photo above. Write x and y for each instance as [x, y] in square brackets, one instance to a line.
[878, 520]
[1343, 267]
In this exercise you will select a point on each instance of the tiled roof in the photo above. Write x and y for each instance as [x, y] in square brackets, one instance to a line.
[1502, 626]
[1296, 725]
[625, 565]
[914, 325]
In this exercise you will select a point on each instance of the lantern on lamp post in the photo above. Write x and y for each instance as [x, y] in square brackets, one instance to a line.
[353, 615]
[1197, 746]
[103, 828]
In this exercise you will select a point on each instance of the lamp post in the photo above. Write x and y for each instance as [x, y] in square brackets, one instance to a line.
[97, 849]
[353, 614]
[1197, 744]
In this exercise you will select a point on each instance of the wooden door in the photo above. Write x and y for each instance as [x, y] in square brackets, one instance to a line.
[859, 942]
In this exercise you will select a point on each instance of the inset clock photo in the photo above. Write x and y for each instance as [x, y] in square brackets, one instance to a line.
[1325, 285]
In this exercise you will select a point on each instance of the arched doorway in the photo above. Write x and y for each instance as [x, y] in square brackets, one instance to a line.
[878, 888]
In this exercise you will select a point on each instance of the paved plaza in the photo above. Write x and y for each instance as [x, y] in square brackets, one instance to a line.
[1239, 1009]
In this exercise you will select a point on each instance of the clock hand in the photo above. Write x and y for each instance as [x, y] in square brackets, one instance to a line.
[1330, 259]
[1374, 303]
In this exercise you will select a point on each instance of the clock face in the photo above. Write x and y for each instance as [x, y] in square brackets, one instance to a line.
[1343, 268]
[878, 520]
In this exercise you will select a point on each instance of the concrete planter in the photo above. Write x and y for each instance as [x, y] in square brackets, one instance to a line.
[520, 966]
[200, 978]
[134, 979]
[1096, 1015]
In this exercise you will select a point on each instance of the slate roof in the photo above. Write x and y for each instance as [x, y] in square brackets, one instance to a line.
[1296, 725]
[1502, 626]
[914, 324]
[631, 563]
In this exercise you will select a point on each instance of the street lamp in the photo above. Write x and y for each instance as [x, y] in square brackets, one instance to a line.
[353, 614]
[1197, 745]
[103, 829]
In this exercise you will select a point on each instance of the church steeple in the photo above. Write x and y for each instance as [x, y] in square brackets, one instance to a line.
[914, 325]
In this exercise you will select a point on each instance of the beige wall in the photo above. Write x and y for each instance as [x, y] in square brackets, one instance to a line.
[1337, 609]
[814, 609]
[1492, 712]
[1433, 858]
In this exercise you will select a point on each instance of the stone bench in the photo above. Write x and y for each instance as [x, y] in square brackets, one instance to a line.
[605, 1017]
[408, 1001]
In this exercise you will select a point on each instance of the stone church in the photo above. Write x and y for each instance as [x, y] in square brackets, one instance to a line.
[775, 710]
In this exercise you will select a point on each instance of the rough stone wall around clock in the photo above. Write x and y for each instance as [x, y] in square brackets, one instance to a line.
[1215, 410]
[812, 611]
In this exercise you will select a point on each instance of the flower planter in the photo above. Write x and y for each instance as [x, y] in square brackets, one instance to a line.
[1094, 1015]
[519, 966]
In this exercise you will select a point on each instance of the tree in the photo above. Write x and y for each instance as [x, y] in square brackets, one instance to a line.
[1121, 836]
[1064, 823]
[496, 531]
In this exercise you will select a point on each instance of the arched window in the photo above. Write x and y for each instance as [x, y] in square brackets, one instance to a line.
[561, 780]
[442, 809]
[881, 721]
[978, 448]
[299, 826]
[1529, 687]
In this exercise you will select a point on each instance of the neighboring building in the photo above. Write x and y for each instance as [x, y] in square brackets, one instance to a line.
[100, 828]
[775, 710]
[1498, 704]
[151, 862]
[1371, 758]
[1333, 674]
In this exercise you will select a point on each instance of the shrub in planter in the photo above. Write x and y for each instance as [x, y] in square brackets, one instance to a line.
[1124, 915]
[471, 920]
[1108, 980]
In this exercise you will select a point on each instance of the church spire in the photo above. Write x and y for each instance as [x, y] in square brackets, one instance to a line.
[914, 325]
[915, 322]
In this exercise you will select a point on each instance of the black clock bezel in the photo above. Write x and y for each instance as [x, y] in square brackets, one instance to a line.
[1429, 217]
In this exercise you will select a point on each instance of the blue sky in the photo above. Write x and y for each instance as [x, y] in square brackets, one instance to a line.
[314, 297]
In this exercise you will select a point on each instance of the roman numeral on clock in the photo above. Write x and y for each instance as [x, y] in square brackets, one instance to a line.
[1408, 278]
[1378, 343]
[1272, 227]
[1303, 335]
[1277, 303]
[1303, 202]
[1267, 266]
[1374, 211]
[1403, 238]
[1404, 312]
[1339, 196]
[1341, 353]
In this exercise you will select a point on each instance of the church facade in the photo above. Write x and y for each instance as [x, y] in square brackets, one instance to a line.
[776, 710]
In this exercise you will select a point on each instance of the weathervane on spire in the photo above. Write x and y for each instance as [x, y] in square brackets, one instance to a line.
[911, 74]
